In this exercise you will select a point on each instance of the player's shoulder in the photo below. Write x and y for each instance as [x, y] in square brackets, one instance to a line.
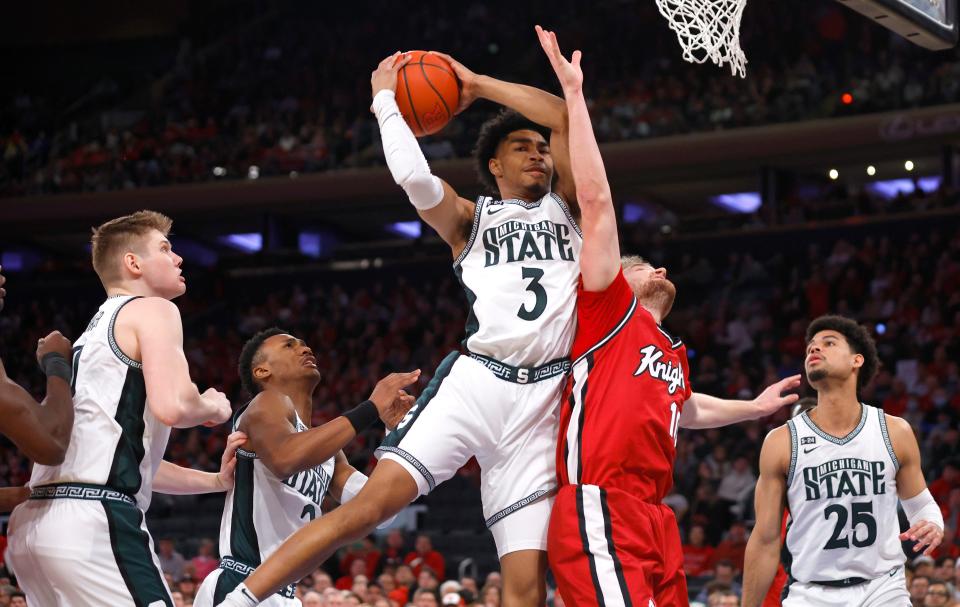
[152, 308]
[778, 441]
[270, 404]
[897, 427]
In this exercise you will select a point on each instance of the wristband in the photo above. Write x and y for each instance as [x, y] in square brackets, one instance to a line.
[362, 416]
[53, 364]
[240, 597]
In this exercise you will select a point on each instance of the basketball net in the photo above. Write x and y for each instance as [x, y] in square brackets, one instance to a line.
[708, 29]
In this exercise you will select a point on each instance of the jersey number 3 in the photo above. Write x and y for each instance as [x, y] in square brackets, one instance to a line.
[537, 289]
[862, 514]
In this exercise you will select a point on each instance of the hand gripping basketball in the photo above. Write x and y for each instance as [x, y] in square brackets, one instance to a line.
[384, 78]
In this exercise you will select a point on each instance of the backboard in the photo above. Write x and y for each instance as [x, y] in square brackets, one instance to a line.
[929, 23]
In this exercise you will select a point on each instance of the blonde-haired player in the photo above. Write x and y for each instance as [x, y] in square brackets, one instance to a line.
[81, 539]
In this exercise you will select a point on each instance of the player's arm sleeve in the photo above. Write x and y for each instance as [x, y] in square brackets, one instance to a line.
[600, 312]
[406, 161]
[348, 482]
[763, 548]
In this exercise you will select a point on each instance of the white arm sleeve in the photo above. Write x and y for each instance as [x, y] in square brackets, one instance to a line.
[922, 507]
[352, 487]
[404, 157]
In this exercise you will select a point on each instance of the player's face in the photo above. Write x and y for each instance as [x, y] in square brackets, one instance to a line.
[652, 287]
[523, 162]
[160, 266]
[829, 355]
[288, 358]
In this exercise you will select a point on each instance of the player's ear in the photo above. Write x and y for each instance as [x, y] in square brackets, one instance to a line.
[131, 263]
[261, 373]
[495, 168]
[857, 361]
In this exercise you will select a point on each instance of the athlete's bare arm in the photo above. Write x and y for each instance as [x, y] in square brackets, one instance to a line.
[537, 105]
[600, 255]
[705, 411]
[177, 480]
[270, 423]
[149, 329]
[11, 497]
[910, 484]
[763, 547]
[40, 431]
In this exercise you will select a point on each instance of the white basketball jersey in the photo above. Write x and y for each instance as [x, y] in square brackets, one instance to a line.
[116, 440]
[519, 270]
[842, 497]
[262, 510]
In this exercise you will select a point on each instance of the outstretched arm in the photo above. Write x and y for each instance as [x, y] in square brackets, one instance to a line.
[41, 431]
[763, 547]
[600, 255]
[537, 105]
[705, 411]
[436, 202]
[177, 480]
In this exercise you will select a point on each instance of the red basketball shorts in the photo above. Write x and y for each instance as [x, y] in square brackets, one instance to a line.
[607, 548]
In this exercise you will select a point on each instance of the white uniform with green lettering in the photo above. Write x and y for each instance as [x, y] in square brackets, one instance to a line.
[499, 402]
[81, 538]
[260, 513]
[842, 543]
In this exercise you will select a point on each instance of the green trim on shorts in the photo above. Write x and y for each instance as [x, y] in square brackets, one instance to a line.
[394, 438]
[131, 549]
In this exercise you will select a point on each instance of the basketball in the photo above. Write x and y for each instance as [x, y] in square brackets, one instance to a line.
[428, 93]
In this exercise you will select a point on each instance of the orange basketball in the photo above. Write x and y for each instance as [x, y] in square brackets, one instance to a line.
[427, 92]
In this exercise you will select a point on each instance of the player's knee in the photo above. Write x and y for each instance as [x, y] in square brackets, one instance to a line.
[523, 591]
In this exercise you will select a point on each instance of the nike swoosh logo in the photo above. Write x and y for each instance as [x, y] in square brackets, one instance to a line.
[247, 594]
[494, 210]
[810, 449]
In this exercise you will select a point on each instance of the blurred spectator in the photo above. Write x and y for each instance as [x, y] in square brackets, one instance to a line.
[723, 578]
[171, 561]
[424, 555]
[205, 562]
[697, 556]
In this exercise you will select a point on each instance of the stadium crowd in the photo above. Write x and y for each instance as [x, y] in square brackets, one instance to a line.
[742, 311]
[261, 95]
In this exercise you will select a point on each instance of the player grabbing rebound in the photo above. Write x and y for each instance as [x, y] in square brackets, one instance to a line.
[516, 258]
[285, 468]
[612, 540]
[839, 469]
[81, 539]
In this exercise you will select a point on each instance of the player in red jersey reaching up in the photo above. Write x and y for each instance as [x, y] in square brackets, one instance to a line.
[611, 539]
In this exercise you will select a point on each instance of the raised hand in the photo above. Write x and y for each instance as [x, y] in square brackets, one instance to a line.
[54, 342]
[384, 78]
[469, 81]
[228, 461]
[772, 399]
[568, 72]
[390, 399]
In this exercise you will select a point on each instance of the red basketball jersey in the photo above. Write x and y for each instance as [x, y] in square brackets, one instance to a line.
[622, 403]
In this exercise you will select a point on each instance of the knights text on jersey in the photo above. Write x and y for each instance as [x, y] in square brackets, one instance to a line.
[519, 271]
[263, 510]
[116, 440]
[842, 497]
[621, 408]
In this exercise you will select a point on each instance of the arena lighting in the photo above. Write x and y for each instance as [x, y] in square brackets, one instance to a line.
[253, 172]
[737, 202]
[881, 328]
[406, 229]
[248, 243]
[219, 171]
[908, 165]
[891, 188]
[11, 261]
[871, 170]
[846, 98]
[834, 174]
[635, 212]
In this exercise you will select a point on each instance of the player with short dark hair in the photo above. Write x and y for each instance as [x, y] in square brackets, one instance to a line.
[286, 468]
[840, 470]
[516, 257]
